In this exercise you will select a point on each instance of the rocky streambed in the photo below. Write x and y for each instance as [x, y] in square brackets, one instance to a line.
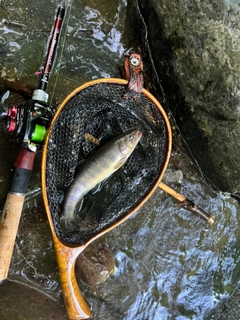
[169, 263]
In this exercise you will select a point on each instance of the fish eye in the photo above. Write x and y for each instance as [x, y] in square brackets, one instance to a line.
[131, 137]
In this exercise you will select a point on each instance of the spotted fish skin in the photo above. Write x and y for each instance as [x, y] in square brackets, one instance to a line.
[97, 168]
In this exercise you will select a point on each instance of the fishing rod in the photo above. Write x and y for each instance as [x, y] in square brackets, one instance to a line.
[28, 121]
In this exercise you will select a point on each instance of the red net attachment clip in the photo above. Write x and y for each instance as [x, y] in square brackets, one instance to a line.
[134, 73]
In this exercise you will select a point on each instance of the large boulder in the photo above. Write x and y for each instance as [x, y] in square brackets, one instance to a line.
[196, 49]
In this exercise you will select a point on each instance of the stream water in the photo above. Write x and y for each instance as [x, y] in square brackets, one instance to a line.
[170, 264]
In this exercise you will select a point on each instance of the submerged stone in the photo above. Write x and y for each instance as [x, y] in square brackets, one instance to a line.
[96, 263]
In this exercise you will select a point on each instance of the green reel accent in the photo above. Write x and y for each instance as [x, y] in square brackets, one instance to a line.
[38, 134]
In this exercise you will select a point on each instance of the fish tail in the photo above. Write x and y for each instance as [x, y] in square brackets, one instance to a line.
[66, 227]
[69, 225]
[68, 213]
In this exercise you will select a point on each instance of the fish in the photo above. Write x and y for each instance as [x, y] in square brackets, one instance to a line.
[94, 170]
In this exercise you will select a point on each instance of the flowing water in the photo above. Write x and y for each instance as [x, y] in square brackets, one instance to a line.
[170, 264]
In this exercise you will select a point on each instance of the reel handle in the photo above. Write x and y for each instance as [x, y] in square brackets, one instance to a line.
[11, 214]
[3, 106]
[76, 306]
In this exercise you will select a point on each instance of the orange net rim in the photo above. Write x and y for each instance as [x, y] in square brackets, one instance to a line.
[150, 97]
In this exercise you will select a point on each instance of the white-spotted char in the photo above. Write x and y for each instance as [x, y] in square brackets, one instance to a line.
[97, 168]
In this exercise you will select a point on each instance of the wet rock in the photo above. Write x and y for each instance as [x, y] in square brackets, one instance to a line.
[16, 86]
[96, 263]
[172, 176]
[34, 305]
[229, 309]
[196, 53]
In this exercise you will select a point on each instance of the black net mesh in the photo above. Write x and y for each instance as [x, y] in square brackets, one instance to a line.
[104, 110]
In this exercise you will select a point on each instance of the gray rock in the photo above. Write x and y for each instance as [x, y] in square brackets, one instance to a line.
[173, 176]
[196, 49]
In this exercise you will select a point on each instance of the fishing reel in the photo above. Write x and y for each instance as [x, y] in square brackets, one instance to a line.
[28, 121]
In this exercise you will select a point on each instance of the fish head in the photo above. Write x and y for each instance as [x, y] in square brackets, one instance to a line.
[129, 141]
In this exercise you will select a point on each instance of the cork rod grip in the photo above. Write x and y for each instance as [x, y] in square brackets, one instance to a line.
[9, 221]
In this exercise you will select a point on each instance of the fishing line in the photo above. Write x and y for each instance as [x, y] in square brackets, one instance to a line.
[43, 292]
[193, 161]
[69, 7]
[164, 100]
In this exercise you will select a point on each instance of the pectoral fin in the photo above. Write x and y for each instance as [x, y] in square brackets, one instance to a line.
[97, 188]
[79, 205]
[120, 163]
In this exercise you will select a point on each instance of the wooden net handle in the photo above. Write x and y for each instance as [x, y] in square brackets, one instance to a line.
[76, 306]
[9, 222]
[187, 204]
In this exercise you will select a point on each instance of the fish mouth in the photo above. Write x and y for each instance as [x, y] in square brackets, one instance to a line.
[138, 134]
